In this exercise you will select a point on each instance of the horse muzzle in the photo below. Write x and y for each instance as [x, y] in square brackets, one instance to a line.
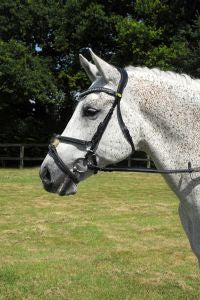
[56, 181]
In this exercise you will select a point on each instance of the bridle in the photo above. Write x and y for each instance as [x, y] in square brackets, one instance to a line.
[91, 146]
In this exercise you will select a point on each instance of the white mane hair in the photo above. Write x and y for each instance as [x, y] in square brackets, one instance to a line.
[168, 76]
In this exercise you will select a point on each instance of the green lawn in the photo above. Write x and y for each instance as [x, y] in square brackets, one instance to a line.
[119, 238]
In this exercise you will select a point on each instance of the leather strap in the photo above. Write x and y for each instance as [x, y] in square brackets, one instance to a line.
[66, 139]
[96, 90]
[102, 126]
[124, 128]
[54, 154]
[121, 86]
[189, 170]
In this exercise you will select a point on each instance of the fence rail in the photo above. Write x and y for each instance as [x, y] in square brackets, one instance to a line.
[22, 157]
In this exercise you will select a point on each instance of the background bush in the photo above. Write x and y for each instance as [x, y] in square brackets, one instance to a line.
[39, 46]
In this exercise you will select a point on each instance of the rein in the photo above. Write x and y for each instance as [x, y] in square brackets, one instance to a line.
[189, 170]
[91, 146]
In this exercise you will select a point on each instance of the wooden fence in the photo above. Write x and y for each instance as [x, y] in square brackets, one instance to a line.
[21, 157]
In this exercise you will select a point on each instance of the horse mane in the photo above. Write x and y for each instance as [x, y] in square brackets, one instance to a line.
[155, 73]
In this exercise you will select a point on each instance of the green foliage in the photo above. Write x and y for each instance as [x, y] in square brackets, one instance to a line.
[26, 81]
[161, 35]
[135, 40]
[24, 73]
[150, 8]
[40, 41]
[190, 36]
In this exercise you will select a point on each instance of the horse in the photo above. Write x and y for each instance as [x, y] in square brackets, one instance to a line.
[154, 111]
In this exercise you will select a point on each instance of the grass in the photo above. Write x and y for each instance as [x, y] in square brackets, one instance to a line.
[118, 238]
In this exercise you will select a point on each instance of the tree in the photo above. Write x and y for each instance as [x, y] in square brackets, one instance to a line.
[163, 34]
[25, 83]
[40, 41]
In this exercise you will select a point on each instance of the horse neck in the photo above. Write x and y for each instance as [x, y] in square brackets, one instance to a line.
[170, 117]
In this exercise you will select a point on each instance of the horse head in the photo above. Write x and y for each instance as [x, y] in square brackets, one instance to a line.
[83, 141]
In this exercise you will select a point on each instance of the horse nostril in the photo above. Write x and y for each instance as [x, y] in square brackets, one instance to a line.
[45, 176]
[48, 175]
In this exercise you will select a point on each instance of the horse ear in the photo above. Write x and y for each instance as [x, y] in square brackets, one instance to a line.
[89, 68]
[109, 72]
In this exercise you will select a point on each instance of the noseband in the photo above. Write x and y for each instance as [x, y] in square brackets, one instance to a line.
[91, 146]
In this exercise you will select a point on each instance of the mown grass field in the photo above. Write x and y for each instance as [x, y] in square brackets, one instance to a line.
[119, 238]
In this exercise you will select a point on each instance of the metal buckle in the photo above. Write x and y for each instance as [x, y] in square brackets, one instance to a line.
[88, 147]
[55, 141]
[118, 95]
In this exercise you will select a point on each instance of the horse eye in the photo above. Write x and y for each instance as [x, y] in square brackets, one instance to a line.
[90, 112]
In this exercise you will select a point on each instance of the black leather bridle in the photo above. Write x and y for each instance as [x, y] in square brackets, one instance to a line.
[91, 146]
